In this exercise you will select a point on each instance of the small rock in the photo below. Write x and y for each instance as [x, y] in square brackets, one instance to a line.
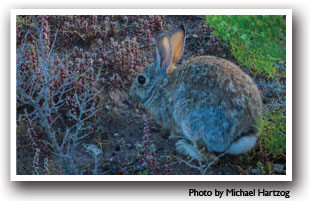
[195, 36]
[278, 168]
[115, 134]
[94, 150]
[255, 171]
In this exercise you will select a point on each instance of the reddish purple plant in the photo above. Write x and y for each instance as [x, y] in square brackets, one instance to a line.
[168, 167]
[203, 31]
[62, 90]
[146, 131]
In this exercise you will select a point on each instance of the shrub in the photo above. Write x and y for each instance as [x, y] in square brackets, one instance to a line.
[56, 97]
[63, 65]
[256, 41]
[272, 129]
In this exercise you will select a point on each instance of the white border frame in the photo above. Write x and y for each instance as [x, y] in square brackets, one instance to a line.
[287, 177]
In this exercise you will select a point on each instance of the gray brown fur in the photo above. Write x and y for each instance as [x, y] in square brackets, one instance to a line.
[206, 99]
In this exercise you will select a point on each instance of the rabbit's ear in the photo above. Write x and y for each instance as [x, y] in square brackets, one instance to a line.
[163, 53]
[178, 41]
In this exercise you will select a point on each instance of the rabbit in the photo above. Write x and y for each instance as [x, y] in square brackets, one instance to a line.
[206, 100]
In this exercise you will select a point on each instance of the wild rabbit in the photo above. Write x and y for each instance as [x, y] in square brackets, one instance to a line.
[207, 100]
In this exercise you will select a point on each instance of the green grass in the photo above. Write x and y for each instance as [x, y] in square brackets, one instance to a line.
[271, 145]
[256, 41]
[272, 129]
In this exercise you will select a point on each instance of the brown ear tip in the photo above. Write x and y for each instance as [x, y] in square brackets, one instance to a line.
[182, 28]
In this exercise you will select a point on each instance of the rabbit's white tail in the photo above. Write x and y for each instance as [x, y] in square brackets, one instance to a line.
[242, 145]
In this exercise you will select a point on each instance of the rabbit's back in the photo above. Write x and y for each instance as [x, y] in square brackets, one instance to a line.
[208, 100]
[212, 98]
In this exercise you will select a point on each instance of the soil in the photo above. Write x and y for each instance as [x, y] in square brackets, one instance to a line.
[120, 127]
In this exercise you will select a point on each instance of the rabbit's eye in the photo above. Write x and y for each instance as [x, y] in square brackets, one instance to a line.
[141, 79]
